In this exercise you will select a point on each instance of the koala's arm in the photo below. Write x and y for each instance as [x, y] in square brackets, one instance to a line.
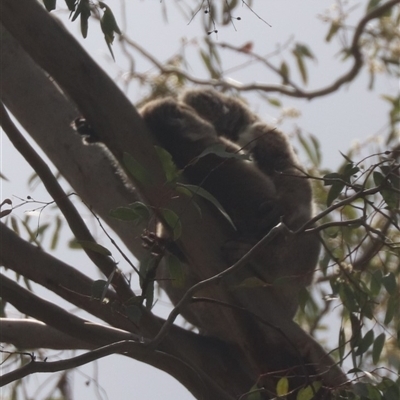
[238, 185]
[274, 155]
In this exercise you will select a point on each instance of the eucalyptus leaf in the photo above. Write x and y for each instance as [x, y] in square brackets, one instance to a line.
[50, 4]
[282, 387]
[378, 347]
[173, 221]
[208, 196]
[136, 170]
[169, 167]
[98, 248]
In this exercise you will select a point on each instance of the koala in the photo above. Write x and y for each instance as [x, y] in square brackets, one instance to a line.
[271, 152]
[185, 135]
[257, 194]
[268, 147]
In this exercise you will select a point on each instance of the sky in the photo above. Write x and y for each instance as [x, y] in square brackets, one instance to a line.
[338, 120]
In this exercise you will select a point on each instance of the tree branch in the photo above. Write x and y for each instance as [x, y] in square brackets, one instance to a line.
[31, 334]
[25, 88]
[75, 221]
[128, 347]
[57, 317]
[208, 356]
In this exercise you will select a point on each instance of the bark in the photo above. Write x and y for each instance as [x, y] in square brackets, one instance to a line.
[46, 113]
[31, 334]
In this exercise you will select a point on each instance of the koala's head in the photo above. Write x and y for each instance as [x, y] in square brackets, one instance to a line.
[178, 129]
[229, 115]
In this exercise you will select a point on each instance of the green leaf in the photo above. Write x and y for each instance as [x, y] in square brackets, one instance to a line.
[365, 343]
[308, 393]
[50, 4]
[124, 214]
[175, 270]
[300, 51]
[42, 229]
[307, 148]
[389, 281]
[360, 388]
[391, 309]
[180, 188]
[186, 192]
[342, 344]
[4, 213]
[282, 387]
[209, 64]
[391, 198]
[372, 4]
[197, 190]
[98, 248]
[304, 50]
[108, 25]
[173, 221]
[136, 170]
[14, 225]
[373, 393]
[331, 178]
[254, 393]
[250, 283]
[56, 234]
[146, 267]
[346, 157]
[137, 212]
[71, 4]
[274, 102]
[220, 150]
[74, 244]
[348, 297]
[334, 192]
[134, 313]
[318, 157]
[169, 167]
[378, 178]
[349, 171]
[335, 26]
[389, 195]
[378, 347]
[376, 282]
[392, 390]
[83, 10]
[284, 71]
[84, 24]
[109, 21]
[98, 288]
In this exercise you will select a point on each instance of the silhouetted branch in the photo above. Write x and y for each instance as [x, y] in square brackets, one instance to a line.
[75, 221]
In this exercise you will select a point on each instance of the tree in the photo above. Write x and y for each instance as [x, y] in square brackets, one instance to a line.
[358, 226]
